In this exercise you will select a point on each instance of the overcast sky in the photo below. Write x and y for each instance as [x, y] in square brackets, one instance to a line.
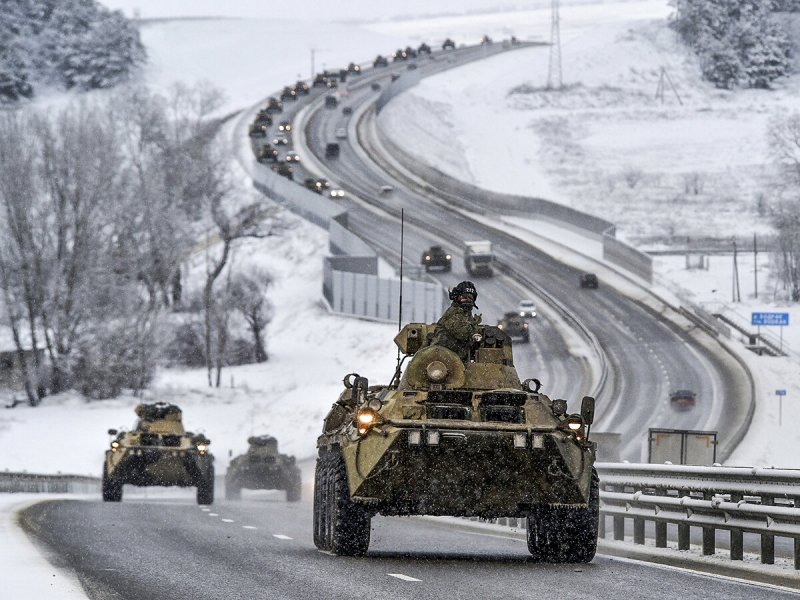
[319, 9]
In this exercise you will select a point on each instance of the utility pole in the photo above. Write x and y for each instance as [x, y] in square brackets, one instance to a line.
[736, 292]
[312, 64]
[755, 262]
[554, 71]
[664, 77]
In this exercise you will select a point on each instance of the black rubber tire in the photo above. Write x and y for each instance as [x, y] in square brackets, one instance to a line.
[321, 539]
[566, 535]
[294, 490]
[232, 490]
[205, 487]
[112, 489]
[348, 523]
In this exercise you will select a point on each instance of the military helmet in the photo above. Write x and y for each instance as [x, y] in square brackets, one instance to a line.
[462, 289]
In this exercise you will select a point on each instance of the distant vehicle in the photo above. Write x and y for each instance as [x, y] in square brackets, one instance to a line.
[478, 258]
[158, 451]
[262, 467]
[682, 400]
[423, 47]
[514, 41]
[347, 110]
[313, 184]
[486, 40]
[331, 102]
[399, 54]
[283, 169]
[274, 105]
[292, 157]
[257, 130]
[263, 117]
[411, 67]
[280, 141]
[385, 190]
[336, 193]
[324, 183]
[267, 154]
[589, 280]
[514, 326]
[410, 52]
[380, 61]
[321, 80]
[436, 257]
[285, 126]
[342, 75]
[289, 93]
[301, 87]
[353, 68]
[375, 86]
[449, 44]
[395, 76]
[341, 133]
[331, 150]
[526, 308]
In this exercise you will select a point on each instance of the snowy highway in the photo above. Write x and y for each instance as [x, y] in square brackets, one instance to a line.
[262, 548]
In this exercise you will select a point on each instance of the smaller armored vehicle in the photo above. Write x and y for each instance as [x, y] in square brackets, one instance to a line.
[262, 467]
[301, 87]
[264, 117]
[313, 184]
[423, 47]
[158, 451]
[436, 257]
[285, 126]
[514, 326]
[257, 130]
[320, 80]
[289, 93]
[683, 400]
[380, 61]
[449, 44]
[353, 68]
[589, 280]
[267, 154]
[485, 40]
[410, 52]
[283, 169]
[274, 105]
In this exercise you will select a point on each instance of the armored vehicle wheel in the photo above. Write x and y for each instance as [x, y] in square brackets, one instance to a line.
[205, 487]
[293, 490]
[566, 535]
[232, 491]
[112, 489]
[320, 511]
[348, 523]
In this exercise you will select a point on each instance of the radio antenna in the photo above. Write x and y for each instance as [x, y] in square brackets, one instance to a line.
[402, 239]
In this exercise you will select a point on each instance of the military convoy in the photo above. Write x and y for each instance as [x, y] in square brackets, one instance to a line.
[446, 437]
[262, 467]
[158, 451]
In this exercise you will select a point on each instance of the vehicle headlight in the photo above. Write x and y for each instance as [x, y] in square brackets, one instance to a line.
[427, 258]
[366, 419]
[114, 446]
[522, 313]
[500, 327]
[202, 448]
[448, 257]
[524, 325]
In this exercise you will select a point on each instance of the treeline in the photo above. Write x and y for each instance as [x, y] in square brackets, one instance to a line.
[740, 42]
[64, 43]
[102, 206]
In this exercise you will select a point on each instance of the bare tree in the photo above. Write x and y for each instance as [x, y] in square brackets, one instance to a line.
[248, 296]
[784, 142]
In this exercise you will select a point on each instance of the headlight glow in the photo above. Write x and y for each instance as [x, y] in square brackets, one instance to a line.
[449, 257]
[366, 419]
[201, 448]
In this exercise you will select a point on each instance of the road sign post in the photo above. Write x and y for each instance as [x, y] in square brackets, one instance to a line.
[770, 319]
[780, 394]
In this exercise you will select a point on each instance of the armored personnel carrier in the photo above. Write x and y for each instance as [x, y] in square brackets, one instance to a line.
[262, 467]
[466, 440]
[158, 451]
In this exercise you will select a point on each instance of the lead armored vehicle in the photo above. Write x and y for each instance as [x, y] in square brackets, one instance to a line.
[466, 440]
[515, 326]
[158, 451]
[262, 467]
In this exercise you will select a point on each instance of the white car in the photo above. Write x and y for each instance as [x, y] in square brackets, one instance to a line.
[526, 308]
[341, 133]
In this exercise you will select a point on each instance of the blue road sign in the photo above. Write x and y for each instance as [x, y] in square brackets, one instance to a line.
[770, 319]
[780, 392]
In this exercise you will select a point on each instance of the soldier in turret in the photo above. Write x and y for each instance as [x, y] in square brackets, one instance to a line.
[456, 328]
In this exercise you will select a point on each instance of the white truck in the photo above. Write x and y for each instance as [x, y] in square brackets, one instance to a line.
[478, 258]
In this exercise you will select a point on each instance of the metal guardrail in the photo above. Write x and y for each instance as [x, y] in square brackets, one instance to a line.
[737, 500]
[31, 483]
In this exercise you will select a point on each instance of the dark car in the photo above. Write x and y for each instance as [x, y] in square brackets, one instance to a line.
[342, 75]
[301, 87]
[682, 400]
[589, 280]
[257, 130]
[423, 47]
[448, 43]
[411, 67]
[285, 126]
[353, 68]
[331, 102]
[267, 154]
[436, 257]
[375, 86]
[332, 150]
[289, 93]
[380, 61]
[313, 184]
[347, 110]
[283, 169]
[515, 326]
[395, 76]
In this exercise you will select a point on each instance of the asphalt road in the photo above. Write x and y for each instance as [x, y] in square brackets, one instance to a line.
[261, 548]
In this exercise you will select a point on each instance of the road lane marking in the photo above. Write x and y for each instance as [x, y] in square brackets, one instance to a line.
[213, 515]
[227, 520]
[248, 527]
[403, 577]
[206, 509]
[280, 536]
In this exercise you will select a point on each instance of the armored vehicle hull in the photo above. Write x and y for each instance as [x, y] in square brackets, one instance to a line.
[158, 452]
[466, 440]
[263, 468]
